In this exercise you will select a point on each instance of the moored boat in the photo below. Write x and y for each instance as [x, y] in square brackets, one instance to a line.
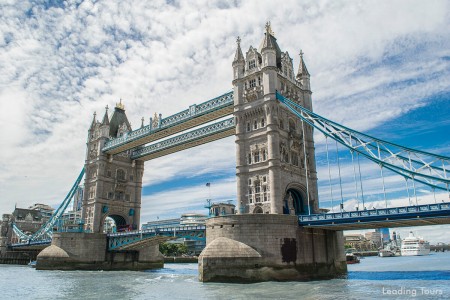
[352, 259]
[386, 253]
[413, 246]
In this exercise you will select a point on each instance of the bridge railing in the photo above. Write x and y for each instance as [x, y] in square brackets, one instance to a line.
[193, 111]
[376, 212]
[157, 230]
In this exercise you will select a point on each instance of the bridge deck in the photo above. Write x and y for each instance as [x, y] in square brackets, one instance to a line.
[421, 215]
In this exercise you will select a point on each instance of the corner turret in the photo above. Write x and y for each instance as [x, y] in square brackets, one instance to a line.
[302, 74]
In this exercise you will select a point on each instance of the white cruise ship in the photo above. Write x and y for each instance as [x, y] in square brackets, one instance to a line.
[414, 246]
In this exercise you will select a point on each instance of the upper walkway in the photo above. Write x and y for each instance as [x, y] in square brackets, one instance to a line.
[189, 118]
[418, 215]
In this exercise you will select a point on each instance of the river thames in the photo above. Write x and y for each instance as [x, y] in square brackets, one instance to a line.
[414, 277]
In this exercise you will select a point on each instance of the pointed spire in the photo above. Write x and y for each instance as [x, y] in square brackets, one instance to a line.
[302, 70]
[93, 120]
[105, 117]
[238, 56]
[269, 39]
[142, 124]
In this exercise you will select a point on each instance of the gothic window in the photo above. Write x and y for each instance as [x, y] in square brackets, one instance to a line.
[120, 175]
[91, 192]
[259, 80]
[248, 126]
[249, 182]
[251, 64]
[255, 125]
[252, 83]
[256, 155]
[119, 196]
[250, 196]
[249, 158]
[265, 193]
[264, 179]
[257, 189]
[264, 155]
[263, 122]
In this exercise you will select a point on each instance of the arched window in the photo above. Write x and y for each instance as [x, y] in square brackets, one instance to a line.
[248, 126]
[249, 158]
[256, 156]
[264, 155]
[255, 125]
[258, 210]
[263, 122]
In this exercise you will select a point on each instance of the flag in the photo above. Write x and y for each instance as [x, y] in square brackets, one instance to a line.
[208, 184]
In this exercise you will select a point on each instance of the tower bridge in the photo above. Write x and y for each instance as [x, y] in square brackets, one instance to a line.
[279, 231]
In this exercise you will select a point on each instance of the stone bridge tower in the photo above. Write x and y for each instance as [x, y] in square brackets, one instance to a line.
[113, 183]
[275, 162]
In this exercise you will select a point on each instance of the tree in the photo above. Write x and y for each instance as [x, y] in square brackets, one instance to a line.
[172, 249]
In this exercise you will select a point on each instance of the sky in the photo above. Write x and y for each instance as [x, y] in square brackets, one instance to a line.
[380, 67]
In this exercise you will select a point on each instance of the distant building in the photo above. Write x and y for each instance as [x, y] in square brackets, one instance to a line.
[161, 224]
[46, 210]
[78, 198]
[375, 237]
[221, 209]
[359, 242]
[384, 234]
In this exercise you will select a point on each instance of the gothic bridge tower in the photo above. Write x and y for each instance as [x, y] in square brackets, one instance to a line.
[275, 164]
[113, 183]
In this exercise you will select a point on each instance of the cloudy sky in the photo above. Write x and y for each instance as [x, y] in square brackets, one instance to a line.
[381, 67]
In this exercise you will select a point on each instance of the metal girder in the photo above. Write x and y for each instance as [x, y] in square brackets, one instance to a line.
[187, 140]
[419, 215]
[134, 239]
[424, 167]
[194, 116]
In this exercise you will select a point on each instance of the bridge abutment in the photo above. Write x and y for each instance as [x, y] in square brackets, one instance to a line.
[265, 247]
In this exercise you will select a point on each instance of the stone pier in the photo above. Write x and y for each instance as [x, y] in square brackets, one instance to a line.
[88, 251]
[265, 247]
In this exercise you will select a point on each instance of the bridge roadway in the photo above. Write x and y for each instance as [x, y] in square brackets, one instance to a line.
[419, 215]
[187, 119]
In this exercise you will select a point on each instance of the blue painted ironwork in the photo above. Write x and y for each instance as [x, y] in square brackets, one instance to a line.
[439, 210]
[45, 232]
[424, 167]
[194, 111]
[185, 138]
[32, 243]
[120, 239]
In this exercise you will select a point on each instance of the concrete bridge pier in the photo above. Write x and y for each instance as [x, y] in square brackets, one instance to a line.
[266, 247]
[89, 251]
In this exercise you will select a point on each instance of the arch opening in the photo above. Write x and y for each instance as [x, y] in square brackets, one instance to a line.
[295, 202]
[115, 223]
